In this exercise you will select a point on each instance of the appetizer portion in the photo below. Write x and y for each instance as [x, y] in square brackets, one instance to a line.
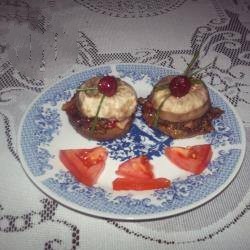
[102, 108]
[180, 106]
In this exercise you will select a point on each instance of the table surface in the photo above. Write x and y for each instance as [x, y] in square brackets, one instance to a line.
[43, 42]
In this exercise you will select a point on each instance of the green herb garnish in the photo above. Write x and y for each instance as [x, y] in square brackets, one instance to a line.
[203, 68]
[157, 115]
[191, 64]
[94, 122]
[161, 87]
[88, 90]
[190, 71]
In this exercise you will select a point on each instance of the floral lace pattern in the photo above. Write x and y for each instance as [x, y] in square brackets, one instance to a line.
[129, 8]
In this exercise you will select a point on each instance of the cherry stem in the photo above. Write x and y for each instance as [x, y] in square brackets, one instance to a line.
[93, 125]
[156, 118]
[190, 65]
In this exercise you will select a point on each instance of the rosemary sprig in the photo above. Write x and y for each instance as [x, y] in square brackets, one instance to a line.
[157, 115]
[160, 87]
[191, 64]
[203, 68]
[86, 89]
[94, 122]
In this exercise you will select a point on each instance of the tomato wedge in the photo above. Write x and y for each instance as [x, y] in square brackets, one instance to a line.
[140, 184]
[85, 165]
[193, 159]
[137, 167]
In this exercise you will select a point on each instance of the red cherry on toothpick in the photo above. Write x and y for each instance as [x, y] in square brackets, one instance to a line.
[107, 86]
[179, 86]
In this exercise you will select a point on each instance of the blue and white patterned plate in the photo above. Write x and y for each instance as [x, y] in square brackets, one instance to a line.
[45, 130]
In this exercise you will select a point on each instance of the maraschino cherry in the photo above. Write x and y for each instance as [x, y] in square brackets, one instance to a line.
[107, 86]
[179, 86]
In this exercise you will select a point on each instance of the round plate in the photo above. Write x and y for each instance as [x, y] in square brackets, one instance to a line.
[45, 130]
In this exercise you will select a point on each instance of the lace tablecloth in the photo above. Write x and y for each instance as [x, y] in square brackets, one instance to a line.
[43, 42]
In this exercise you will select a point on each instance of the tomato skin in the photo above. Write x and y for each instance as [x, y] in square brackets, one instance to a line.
[137, 167]
[85, 165]
[140, 184]
[193, 159]
[138, 175]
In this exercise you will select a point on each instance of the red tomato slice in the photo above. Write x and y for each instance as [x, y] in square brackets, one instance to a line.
[85, 165]
[137, 167]
[140, 184]
[193, 159]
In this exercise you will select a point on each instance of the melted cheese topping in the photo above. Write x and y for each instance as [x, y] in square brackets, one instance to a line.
[195, 99]
[119, 106]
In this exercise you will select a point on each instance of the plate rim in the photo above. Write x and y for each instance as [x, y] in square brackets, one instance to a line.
[123, 217]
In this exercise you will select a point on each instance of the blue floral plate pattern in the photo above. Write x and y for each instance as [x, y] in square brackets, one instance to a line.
[45, 130]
